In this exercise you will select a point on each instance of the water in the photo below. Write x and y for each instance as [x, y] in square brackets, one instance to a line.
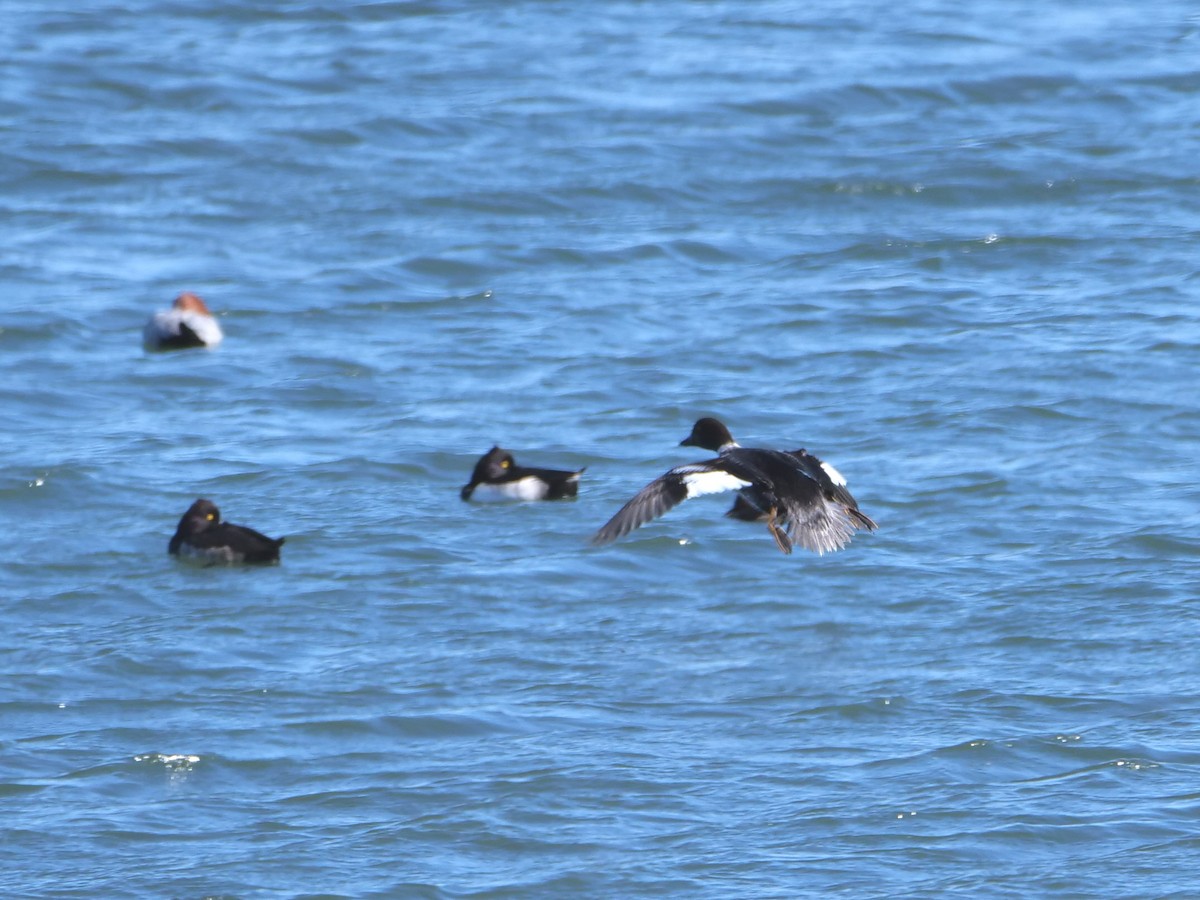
[950, 249]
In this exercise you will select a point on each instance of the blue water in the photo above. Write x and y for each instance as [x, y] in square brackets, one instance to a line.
[949, 248]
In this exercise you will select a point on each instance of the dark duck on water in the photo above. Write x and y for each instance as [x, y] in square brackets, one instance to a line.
[202, 535]
[802, 499]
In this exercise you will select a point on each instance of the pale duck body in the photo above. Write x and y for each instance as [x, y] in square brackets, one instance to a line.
[188, 323]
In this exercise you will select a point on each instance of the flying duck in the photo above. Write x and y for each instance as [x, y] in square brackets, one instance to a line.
[498, 477]
[188, 323]
[201, 534]
[802, 499]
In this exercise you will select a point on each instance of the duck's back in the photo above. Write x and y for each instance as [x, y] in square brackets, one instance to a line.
[772, 470]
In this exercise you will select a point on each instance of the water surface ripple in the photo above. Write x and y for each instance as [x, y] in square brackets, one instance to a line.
[948, 248]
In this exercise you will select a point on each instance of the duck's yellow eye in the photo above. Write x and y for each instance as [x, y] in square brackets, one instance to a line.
[504, 464]
[210, 517]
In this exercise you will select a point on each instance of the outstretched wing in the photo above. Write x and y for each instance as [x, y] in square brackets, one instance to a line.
[666, 492]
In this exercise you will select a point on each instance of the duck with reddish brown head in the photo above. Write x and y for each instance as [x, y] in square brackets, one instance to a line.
[188, 323]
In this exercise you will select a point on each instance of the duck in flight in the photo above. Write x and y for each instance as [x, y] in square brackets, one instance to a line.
[802, 499]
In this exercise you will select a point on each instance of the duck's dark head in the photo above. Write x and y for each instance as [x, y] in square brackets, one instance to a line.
[200, 515]
[496, 463]
[490, 468]
[709, 434]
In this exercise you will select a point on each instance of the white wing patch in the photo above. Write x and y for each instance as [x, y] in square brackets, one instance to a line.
[709, 481]
[834, 475]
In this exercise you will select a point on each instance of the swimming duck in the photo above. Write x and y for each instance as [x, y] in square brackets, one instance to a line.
[188, 323]
[802, 499]
[498, 477]
[202, 534]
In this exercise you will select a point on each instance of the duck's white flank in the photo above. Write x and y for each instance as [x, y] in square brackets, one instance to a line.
[168, 324]
[528, 488]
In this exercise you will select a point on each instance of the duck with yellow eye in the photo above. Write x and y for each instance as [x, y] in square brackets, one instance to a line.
[202, 535]
[498, 477]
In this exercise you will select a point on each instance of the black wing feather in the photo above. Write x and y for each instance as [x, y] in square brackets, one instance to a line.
[662, 494]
